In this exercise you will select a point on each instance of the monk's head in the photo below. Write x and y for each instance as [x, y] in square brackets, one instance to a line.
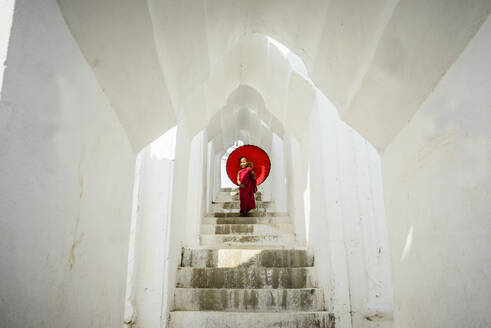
[243, 162]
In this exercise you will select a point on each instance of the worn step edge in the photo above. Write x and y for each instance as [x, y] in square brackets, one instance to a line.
[234, 239]
[236, 205]
[234, 197]
[215, 319]
[247, 220]
[248, 277]
[238, 201]
[251, 214]
[232, 245]
[248, 300]
[251, 247]
[246, 228]
[279, 256]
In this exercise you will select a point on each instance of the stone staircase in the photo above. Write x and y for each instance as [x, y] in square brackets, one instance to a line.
[248, 272]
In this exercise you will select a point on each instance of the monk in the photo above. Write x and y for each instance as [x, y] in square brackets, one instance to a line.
[246, 179]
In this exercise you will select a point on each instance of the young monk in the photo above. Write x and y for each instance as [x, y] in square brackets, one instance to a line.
[246, 179]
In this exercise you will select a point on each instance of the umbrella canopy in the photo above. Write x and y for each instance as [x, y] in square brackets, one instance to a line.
[255, 155]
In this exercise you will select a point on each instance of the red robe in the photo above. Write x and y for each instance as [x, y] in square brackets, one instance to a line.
[247, 201]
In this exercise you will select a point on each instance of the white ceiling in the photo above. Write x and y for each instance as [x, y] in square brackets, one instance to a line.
[377, 61]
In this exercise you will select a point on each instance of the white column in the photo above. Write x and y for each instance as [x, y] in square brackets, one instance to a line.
[295, 170]
[195, 192]
[278, 175]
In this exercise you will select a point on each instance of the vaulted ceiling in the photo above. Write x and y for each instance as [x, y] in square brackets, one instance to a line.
[160, 60]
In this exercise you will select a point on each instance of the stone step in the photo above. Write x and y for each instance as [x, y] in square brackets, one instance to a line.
[233, 240]
[212, 319]
[250, 229]
[221, 206]
[228, 196]
[228, 258]
[220, 211]
[235, 213]
[246, 277]
[251, 246]
[252, 213]
[249, 300]
[236, 202]
[247, 220]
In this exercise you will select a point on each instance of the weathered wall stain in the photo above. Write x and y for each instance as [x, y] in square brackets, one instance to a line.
[434, 144]
[72, 250]
[77, 241]
[79, 174]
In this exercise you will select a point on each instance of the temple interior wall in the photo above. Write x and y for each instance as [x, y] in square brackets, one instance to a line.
[344, 216]
[146, 300]
[437, 181]
[66, 182]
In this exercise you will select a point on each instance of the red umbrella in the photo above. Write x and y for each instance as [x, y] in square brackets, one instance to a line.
[255, 155]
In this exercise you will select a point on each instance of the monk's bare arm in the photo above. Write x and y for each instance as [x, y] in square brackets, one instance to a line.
[238, 178]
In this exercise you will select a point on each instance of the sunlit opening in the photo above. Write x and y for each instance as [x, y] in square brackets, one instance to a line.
[225, 181]
[165, 146]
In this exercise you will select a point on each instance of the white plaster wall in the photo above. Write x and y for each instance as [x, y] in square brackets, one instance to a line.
[218, 180]
[168, 218]
[178, 232]
[294, 159]
[437, 178]
[345, 219]
[323, 229]
[195, 207]
[151, 244]
[225, 181]
[66, 182]
[277, 175]
[210, 175]
[266, 190]
[130, 292]
[213, 174]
